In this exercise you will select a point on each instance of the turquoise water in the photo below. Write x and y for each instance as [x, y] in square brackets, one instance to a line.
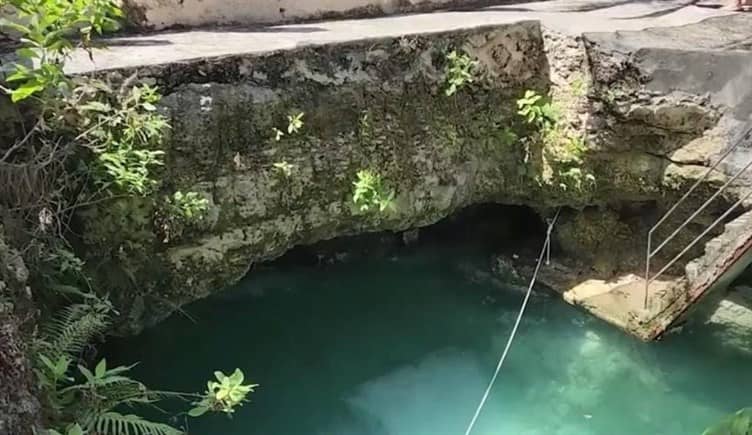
[405, 346]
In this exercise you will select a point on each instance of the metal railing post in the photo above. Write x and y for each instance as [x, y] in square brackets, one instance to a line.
[650, 253]
[647, 271]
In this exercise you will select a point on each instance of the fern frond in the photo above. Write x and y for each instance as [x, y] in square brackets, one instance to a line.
[125, 392]
[113, 423]
[71, 330]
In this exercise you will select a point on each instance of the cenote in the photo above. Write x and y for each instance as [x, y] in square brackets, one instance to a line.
[345, 205]
[403, 342]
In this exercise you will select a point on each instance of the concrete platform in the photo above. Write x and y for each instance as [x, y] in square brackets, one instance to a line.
[570, 17]
[621, 301]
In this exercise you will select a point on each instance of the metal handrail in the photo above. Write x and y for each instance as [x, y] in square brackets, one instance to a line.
[704, 233]
[650, 253]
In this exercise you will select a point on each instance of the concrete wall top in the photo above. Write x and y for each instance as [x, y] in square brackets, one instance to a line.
[161, 14]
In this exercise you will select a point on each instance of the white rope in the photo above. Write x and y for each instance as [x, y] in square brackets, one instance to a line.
[544, 251]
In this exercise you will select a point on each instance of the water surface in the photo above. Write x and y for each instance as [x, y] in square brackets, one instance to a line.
[405, 346]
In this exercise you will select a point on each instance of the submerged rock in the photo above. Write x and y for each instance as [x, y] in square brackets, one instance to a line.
[731, 320]
[505, 270]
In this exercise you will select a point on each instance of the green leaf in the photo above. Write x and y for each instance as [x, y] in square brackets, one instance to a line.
[96, 106]
[25, 91]
[198, 411]
[87, 373]
[237, 377]
[101, 368]
[20, 73]
[46, 361]
[27, 53]
[75, 430]
[740, 424]
[12, 25]
[119, 424]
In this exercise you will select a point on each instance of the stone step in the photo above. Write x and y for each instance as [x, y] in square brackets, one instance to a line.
[741, 223]
[715, 247]
[692, 269]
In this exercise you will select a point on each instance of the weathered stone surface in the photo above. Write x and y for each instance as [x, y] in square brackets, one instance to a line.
[731, 319]
[380, 105]
[19, 407]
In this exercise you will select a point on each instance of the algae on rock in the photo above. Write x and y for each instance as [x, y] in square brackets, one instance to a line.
[381, 105]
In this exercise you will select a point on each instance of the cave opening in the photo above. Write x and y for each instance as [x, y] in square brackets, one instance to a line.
[491, 227]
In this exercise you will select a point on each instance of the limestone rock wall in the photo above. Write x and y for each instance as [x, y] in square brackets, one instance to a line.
[19, 407]
[378, 105]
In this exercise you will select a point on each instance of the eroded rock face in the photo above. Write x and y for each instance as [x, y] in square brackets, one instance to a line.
[381, 105]
[19, 407]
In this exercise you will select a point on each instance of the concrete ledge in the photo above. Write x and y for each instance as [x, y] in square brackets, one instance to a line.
[564, 17]
[162, 14]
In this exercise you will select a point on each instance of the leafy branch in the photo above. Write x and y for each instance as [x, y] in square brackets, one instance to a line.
[370, 193]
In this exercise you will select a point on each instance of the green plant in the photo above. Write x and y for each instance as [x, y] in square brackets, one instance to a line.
[564, 150]
[565, 147]
[73, 429]
[45, 28]
[579, 86]
[62, 271]
[575, 147]
[294, 122]
[223, 395]
[537, 110]
[575, 178]
[189, 206]
[294, 125]
[738, 423]
[370, 193]
[94, 146]
[122, 130]
[87, 404]
[459, 71]
[284, 168]
[508, 137]
[179, 212]
[84, 401]
[72, 328]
